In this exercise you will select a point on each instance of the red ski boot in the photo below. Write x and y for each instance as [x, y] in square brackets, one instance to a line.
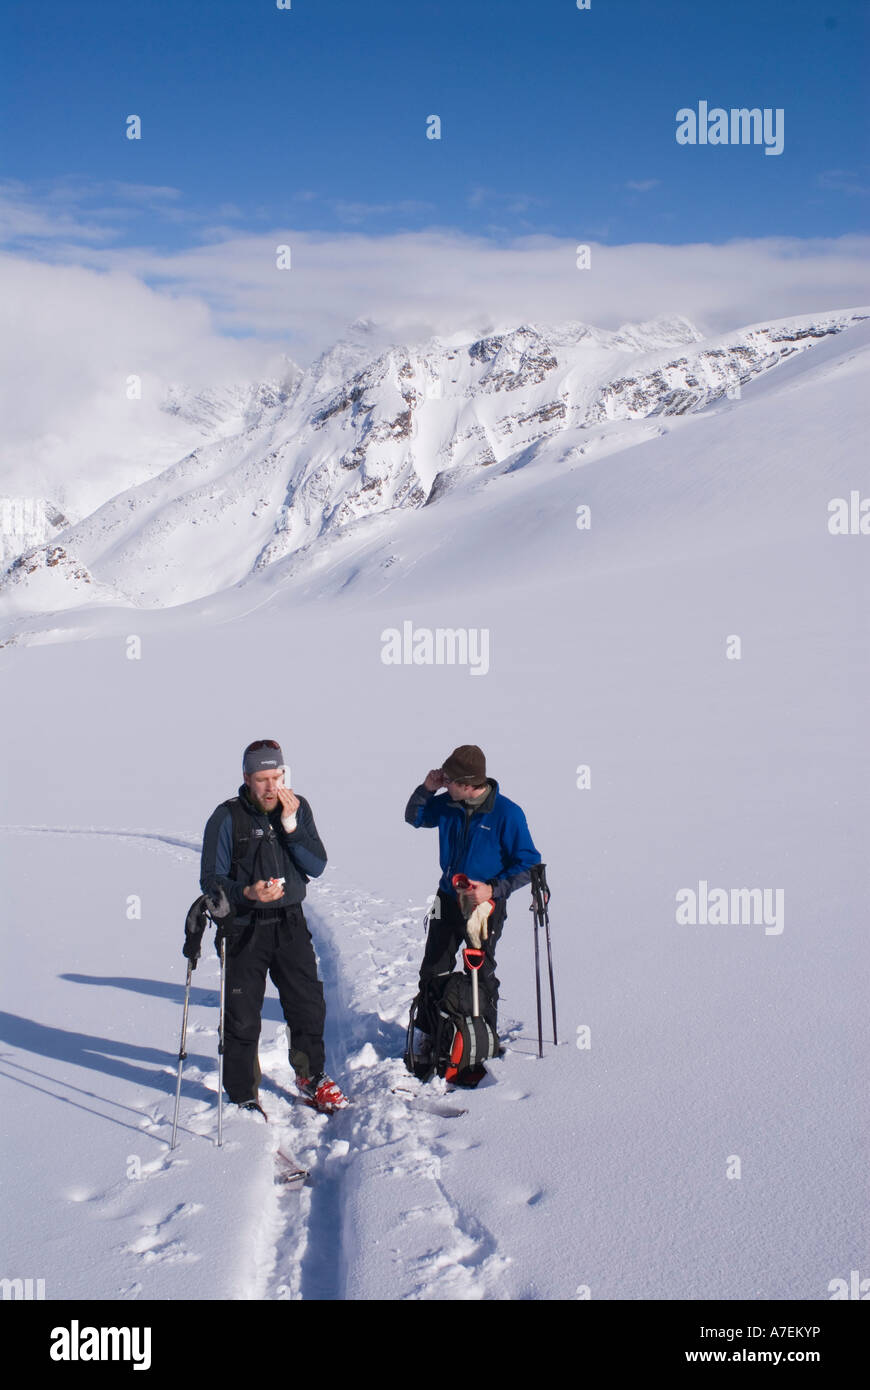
[322, 1094]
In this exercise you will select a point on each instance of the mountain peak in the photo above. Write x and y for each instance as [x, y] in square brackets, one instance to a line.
[374, 426]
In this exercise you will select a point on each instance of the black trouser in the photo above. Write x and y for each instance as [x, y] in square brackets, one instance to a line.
[446, 936]
[279, 944]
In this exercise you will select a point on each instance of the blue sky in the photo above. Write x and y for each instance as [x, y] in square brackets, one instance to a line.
[556, 121]
[307, 127]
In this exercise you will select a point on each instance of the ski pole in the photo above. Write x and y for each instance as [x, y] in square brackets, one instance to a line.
[544, 910]
[550, 968]
[221, 1043]
[181, 1052]
[538, 982]
[539, 907]
[194, 926]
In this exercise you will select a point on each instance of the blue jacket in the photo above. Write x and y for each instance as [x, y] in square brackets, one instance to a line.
[492, 845]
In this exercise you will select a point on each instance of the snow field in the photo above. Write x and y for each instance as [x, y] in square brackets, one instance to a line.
[600, 1169]
[117, 1214]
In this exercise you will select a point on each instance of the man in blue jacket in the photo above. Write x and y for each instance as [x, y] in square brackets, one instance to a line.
[484, 836]
[261, 848]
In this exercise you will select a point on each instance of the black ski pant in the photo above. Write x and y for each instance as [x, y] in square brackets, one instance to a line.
[445, 938]
[278, 944]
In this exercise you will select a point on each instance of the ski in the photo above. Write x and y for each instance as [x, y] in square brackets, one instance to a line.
[434, 1107]
[323, 1109]
[320, 1109]
[288, 1171]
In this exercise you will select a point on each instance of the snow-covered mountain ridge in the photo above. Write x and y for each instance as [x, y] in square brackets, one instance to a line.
[227, 411]
[285, 463]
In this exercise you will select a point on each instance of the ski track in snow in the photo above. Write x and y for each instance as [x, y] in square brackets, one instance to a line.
[305, 1241]
[170, 842]
[370, 954]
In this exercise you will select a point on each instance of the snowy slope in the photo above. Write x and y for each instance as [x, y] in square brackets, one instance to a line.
[356, 438]
[601, 1168]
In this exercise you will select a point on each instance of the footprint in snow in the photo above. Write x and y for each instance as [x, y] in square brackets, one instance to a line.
[82, 1194]
[152, 1247]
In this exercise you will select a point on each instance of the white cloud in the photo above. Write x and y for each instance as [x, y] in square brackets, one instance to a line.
[85, 315]
[72, 337]
[361, 212]
[442, 281]
[28, 220]
[845, 181]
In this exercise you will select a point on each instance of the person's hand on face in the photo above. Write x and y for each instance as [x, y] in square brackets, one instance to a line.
[289, 802]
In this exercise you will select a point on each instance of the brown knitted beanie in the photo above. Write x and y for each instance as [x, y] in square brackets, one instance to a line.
[466, 764]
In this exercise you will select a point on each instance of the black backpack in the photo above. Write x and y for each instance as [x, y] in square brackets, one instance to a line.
[461, 1043]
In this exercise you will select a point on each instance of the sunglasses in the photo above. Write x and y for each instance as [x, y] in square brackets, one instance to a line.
[261, 743]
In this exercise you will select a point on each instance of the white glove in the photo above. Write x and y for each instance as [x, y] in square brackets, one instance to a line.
[476, 928]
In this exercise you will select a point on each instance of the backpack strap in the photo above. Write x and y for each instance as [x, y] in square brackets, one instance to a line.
[241, 832]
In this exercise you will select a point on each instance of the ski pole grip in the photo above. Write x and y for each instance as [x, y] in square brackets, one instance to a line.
[539, 880]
